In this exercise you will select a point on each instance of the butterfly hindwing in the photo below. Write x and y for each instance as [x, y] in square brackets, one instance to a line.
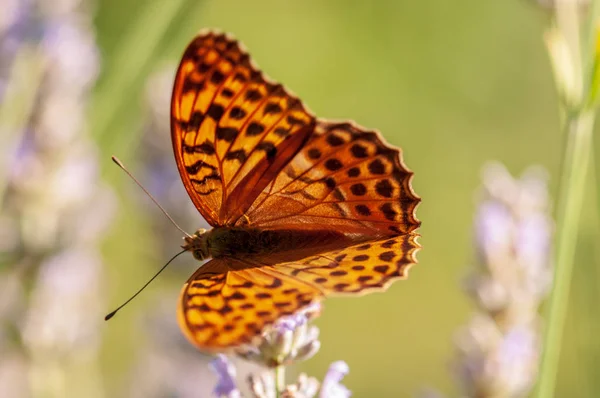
[357, 269]
[227, 302]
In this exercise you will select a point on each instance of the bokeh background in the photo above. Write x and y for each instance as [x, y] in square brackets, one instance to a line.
[454, 84]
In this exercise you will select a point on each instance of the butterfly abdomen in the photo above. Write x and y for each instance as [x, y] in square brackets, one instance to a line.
[286, 245]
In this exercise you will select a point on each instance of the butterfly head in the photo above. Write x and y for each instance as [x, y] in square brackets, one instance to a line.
[197, 244]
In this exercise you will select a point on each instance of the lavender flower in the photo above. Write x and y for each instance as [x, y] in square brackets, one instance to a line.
[289, 340]
[263, 385]
[54, 209]
[497, 353]
[15, 28]
[226, 372]
[332, 387]
[305, 387]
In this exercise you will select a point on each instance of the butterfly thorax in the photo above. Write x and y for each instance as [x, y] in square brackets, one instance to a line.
[255, 243]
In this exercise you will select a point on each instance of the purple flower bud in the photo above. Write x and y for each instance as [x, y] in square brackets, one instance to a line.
[263, 385]
[290, 339]
[497, 353]
[226, 373]
[332, 387]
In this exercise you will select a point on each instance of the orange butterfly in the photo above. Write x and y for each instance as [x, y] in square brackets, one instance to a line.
[301, 207]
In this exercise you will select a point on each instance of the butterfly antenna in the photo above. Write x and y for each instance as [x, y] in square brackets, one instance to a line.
[118, 163]
[110, 315]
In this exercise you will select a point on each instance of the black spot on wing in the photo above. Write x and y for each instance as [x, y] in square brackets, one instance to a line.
[363, 210]
[227, 133]
[237, 113]
[215, 111]
[217, 77]
[254, 129]
[334, 140]
[206, 147]
[384, 188]
[314, 153]
[239, 155]
[197, 166]
[377, 167]
[253, 95]
[272, 108]
[227, 93]
[333, 164]
[358, 189]
[268, 148]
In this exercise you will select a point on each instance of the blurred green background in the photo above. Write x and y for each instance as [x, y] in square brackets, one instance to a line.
[454, 84]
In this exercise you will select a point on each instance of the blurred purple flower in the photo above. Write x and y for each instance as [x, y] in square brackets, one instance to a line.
[63, 314]
[15, 28]
[517, 358]
[263, 385]
[290, 339]
[497, 353]
[226, 372]
[73, 55]
[332, 387]
[54, 206]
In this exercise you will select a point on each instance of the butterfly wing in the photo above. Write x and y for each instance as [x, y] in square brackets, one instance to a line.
[249, 153]
[345, 178]
[357, 269]
[232, 129]
[226, 302]
[229, 301]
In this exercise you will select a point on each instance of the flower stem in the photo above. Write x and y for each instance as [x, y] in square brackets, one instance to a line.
[279, 380]
[578, 128]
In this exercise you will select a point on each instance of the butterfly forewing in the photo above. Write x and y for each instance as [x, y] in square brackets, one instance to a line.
[232, 129]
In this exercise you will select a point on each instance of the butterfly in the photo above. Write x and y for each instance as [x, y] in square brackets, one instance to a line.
[301, 207]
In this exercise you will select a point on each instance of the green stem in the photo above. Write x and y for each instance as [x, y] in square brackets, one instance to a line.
[279, 380]
[118, 91]
[578, 129]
